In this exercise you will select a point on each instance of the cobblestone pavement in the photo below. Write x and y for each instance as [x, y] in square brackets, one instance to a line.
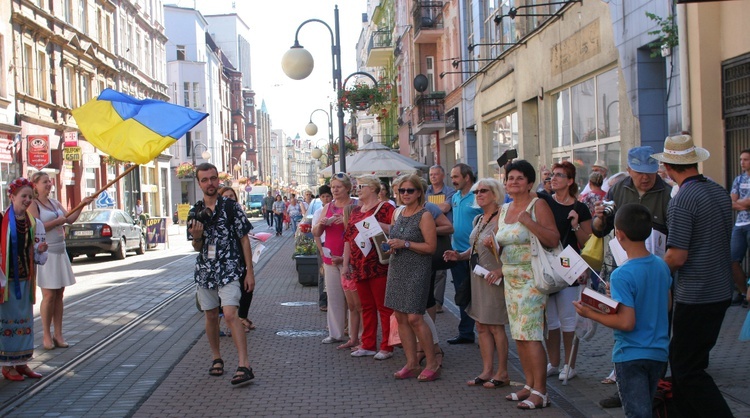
[138, 349]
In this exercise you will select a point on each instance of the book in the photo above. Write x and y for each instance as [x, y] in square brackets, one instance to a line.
[599, 302]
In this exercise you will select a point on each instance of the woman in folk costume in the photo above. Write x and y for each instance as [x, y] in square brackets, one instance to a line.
[18, 233]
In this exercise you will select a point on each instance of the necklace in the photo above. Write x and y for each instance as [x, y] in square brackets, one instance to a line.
[558, 201]
[51, 209]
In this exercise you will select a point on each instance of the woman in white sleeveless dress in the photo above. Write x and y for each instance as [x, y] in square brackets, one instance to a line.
[56, 274]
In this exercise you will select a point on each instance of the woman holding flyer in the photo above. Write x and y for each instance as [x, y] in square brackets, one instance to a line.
[487, 306]
[365, 269]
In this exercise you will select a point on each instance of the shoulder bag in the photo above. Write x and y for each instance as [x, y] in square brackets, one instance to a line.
[546, 280]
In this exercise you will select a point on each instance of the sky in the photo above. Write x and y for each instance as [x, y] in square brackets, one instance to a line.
[272, 27]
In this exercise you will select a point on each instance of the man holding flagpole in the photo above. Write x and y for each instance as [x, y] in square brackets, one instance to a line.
[219, 230]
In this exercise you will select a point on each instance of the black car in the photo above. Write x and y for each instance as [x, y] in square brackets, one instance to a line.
[104, 231]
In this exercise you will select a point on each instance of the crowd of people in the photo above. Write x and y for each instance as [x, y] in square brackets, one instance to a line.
[385, 262]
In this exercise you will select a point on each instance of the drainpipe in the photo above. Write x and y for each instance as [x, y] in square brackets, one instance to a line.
[685, 106]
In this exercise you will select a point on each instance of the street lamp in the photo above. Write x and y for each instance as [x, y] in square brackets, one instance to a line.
[206, 155]
[312, 129]
[298, 63]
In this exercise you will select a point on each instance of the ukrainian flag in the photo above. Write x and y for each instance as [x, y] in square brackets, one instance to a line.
[133, 130]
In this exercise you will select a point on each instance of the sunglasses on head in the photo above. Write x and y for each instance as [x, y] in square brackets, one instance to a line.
[477, 191]
[407, 191]
[340, 175]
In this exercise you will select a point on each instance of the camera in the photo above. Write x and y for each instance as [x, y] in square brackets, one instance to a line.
[200, 213]
[609, 207]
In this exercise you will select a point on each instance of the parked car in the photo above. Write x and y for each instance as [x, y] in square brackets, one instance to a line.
[104, 231]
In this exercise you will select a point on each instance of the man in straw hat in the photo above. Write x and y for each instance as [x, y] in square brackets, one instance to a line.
[698, 250]
[599, 167]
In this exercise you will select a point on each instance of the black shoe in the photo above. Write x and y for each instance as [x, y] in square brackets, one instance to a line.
[737, 299]
[611, 402]
[461, 340]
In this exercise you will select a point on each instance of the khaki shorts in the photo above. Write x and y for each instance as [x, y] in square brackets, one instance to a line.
[227, 295]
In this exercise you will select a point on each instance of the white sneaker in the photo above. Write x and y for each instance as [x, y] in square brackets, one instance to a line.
[330, 340]
[552, 370]
[571, 373]
[362, 353]
[383, 355]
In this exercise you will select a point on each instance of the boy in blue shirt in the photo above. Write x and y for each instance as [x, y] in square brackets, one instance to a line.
[641, 286]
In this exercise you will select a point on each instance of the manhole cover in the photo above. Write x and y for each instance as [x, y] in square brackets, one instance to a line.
[300, 333]
[298, 303]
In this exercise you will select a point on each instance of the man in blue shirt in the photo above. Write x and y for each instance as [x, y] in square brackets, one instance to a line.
[464, 212]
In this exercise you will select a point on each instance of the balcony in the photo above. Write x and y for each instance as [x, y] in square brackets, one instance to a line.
[428, 21]
[430, 113]
[380, 48]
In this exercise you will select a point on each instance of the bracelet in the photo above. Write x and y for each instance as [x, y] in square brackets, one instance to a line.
[576, 228]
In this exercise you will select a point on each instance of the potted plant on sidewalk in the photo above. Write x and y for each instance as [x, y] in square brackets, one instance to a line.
[306, 256]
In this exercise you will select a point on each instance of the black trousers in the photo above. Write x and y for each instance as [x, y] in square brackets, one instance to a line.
[695, 329]
[268, 214]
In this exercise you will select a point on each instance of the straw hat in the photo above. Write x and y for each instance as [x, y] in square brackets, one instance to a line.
[680, 150]
[600, 163]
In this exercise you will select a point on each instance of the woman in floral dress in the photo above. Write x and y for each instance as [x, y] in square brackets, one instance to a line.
[525, 303]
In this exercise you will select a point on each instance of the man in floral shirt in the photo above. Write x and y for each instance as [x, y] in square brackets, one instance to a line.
[224, 256]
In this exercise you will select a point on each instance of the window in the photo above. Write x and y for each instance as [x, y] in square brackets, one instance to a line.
[180, 52]
[139, 52]
[41, 75]
[587, 123]
[196, 95]
[84, 89]
[68, 10]
[27, 64]
[108, 33]
[99, 26]
[430, 64]
[83, 16]
[3, 71]
[148, 55]
[69, 86]
[186, 94]
[504, 134]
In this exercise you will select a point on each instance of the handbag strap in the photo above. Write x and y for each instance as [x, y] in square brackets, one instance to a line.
[528, 209]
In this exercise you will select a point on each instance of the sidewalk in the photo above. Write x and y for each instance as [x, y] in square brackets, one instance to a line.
[296, 375]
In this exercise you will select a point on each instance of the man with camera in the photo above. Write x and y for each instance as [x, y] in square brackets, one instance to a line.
[219, 229]
[644, 186]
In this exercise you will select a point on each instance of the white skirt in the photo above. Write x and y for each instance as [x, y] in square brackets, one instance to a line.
[57, 272]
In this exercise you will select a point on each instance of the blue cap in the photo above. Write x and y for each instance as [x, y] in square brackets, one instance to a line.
[640, 160]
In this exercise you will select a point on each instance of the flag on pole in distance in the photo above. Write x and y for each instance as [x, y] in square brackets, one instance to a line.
[133, 130]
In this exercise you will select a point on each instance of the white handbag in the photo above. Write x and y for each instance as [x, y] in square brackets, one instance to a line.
[546, 280]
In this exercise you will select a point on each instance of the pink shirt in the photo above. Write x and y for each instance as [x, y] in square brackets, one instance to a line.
[334, 234]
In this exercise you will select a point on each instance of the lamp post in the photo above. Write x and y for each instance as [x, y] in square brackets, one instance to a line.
[206, 155]
[317, 153]
[312, 129]
[298, 63]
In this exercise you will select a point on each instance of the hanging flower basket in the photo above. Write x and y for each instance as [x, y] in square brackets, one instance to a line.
[185, 170]
[242, 180]
[363, 96]
[224, 176]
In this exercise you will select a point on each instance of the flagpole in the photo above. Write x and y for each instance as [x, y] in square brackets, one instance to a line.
[106, 186]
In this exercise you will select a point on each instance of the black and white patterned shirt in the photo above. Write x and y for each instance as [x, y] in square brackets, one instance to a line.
[228, 263]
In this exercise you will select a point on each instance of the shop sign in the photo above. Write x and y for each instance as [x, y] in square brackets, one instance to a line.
[38, 146]
[71, 139]
[68, 174]
[5, 148]
[72, 153]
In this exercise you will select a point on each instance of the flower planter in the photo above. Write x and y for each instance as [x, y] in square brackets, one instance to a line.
[307, 269]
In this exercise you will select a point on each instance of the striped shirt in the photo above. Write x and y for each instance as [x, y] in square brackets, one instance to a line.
[699, 219]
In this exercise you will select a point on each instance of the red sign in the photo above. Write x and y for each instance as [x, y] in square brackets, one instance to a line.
[38, 151]
[71, 139]
[5, 148]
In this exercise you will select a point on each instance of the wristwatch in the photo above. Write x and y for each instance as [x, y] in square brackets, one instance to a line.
[407, 244]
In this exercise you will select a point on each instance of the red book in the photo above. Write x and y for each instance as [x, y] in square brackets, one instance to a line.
[599, 302]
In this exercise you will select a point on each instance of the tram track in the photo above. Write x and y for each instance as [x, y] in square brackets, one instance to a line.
[12, 405]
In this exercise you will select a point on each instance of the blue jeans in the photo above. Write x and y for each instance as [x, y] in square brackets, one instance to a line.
[636, 381]
[460, 272]
[740, 242]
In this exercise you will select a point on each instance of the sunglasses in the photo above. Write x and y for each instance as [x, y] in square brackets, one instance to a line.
[362, 186]
[477, 191]
[340, 175]
[407, 191]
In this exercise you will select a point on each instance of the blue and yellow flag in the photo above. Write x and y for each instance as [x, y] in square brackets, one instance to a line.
[133, 130]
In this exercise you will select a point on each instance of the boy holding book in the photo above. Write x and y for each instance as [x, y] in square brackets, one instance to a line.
[641, 286]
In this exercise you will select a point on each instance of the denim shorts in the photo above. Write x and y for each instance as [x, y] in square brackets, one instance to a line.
[740, 242]
[227, 295]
